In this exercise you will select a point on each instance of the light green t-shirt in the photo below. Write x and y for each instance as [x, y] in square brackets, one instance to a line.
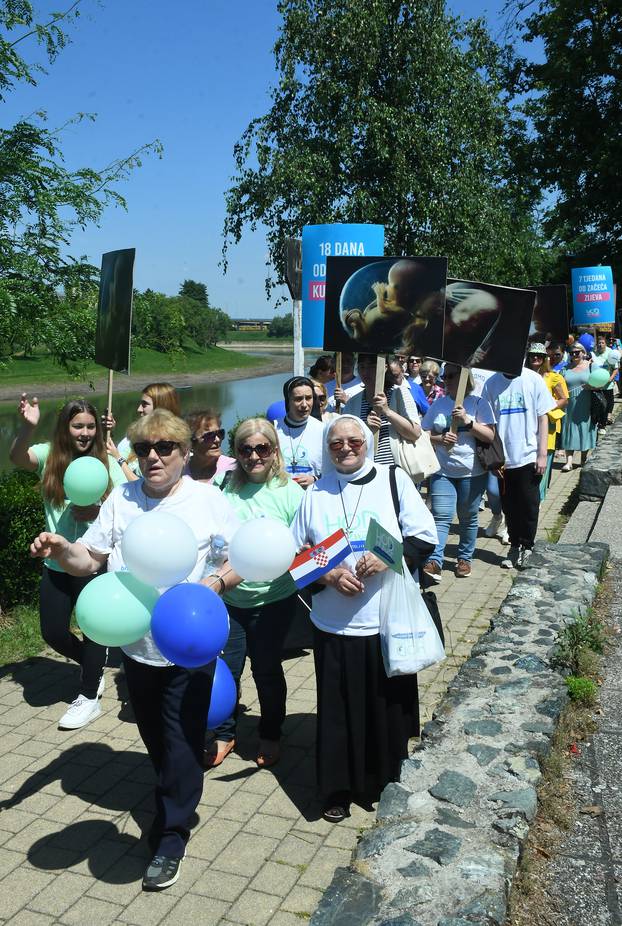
[60, 520]
[269, 500]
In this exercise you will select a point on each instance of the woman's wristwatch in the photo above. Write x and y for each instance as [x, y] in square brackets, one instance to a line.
[121, 461]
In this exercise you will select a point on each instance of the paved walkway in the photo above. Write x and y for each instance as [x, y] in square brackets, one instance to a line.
[73, 805]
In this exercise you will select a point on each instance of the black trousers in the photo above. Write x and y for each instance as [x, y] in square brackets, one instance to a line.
[170, 705]
[520, 500]
[260, 632]
[609, 396]
[58, 594]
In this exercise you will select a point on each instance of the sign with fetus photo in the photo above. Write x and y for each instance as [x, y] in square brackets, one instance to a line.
[487, 325]
[382, 305]
[550, 316]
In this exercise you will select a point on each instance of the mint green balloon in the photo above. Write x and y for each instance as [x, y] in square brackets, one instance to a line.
[115, 609]
[85, 481]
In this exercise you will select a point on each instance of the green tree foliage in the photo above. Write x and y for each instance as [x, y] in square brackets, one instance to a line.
[574, 101]
[21, 519]
[41, 201]
[163, 323]
[389, 111]
[281, 326]
[194, 290]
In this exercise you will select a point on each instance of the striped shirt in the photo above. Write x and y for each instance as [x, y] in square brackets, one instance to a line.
[383, 453]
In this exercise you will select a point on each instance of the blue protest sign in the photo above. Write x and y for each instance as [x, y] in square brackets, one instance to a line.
[593, 298]
[318, 243]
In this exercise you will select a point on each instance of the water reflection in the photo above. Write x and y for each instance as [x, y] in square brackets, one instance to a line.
[234, 399]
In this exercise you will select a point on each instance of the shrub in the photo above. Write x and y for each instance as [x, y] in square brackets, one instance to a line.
[21, 519]
[581, 689]
[586, 633]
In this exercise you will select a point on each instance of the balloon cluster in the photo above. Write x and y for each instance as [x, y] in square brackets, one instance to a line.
[188, 622]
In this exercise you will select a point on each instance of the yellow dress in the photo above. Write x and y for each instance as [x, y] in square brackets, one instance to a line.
[553, 380]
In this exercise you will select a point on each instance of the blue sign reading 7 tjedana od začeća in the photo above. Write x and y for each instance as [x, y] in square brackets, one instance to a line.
[318, 243]
[593, 299]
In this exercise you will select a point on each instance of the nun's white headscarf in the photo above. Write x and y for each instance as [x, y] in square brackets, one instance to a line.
[327, 463]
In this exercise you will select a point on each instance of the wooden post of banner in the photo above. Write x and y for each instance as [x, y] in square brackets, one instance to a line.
[109, 401]
[338, 378]
[462, 385]
[381, 364]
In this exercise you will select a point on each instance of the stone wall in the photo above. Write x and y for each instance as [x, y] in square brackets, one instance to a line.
[604, 466]
[449, 834]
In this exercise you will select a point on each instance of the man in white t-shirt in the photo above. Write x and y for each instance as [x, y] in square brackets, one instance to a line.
[521, 405]
[350, 384]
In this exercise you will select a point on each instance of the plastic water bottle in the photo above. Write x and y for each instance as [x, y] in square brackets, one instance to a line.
[216, 555]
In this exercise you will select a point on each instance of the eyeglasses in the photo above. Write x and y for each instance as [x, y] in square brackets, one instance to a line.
[208, 437]
[414, 359]
[354, 443]
[263, 451]
[576, 353]
[163, 448]
[536, 356]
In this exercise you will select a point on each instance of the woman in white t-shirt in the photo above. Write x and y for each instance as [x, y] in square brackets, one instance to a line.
[170, 703]
[364, 718]
[460, 484]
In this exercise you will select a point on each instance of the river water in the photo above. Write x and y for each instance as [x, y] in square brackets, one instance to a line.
[234, 399]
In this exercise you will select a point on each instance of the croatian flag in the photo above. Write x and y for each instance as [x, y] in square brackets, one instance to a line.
[324, 556]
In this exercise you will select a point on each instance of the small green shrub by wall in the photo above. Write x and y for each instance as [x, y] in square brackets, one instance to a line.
[21, 519]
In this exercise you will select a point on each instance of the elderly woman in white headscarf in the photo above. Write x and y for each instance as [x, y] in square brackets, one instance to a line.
[365, 719]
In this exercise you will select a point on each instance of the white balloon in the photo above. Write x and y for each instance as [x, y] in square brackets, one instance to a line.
[262, 550]
[159, 549]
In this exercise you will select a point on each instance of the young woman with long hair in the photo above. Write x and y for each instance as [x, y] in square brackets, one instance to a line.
[155, 395]
[78, 433]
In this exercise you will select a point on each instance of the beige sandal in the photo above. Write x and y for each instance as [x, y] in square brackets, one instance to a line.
[217, 752]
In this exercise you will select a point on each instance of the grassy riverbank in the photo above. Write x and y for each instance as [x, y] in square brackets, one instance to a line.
[145, 363]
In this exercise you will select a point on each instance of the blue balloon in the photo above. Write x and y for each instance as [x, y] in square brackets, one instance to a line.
[587, 340]
[276, 410]
[224, 695]
[190, 625]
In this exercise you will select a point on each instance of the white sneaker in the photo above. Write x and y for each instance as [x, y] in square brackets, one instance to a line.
[512, 558]
[504, 537]
[496, 526]
[80, 712]
[523, 558]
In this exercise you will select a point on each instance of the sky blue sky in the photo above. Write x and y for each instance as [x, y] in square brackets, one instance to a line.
[193, 74]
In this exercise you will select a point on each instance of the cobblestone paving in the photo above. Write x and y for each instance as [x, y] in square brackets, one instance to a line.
[73, 805]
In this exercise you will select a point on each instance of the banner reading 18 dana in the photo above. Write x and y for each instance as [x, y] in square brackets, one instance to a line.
[593, 298]
[318, 243]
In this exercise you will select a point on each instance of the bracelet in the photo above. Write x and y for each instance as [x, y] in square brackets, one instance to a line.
[222, 584]
[121, 461]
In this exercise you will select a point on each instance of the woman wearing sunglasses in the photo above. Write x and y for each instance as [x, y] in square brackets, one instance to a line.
[364, 718]
[207, 459]
[259, 612]
[578, 430]
[170, 703]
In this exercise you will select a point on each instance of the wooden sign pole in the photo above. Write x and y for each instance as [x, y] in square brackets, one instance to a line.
[338, 378]
[381, 364]
[109, 401]
[462, 385]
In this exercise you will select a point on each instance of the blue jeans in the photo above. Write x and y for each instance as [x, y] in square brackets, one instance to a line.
[492, 491]
[449, 496]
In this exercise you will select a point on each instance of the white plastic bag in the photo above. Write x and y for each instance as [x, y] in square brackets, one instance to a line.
[408, 637]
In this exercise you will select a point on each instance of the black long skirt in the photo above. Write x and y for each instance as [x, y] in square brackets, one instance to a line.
[364, 718]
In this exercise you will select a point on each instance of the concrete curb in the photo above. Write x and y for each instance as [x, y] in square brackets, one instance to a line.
[449, 834]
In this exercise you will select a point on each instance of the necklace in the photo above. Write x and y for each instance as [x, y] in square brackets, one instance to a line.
[350, 521]
[295, 448]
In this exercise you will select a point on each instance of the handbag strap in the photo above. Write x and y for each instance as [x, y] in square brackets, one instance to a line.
[394, 495]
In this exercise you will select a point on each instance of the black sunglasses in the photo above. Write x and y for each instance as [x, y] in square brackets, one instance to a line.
[163, 448]
[209, 437]
[263, 451]
[414, 359]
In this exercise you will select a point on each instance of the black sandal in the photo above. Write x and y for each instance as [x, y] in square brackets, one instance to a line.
[336, 813]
